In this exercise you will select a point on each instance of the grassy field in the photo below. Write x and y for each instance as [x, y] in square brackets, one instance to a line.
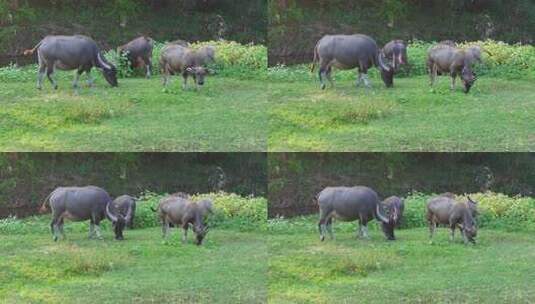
[225, 115]
[230, 267]
[499, 269]
[497, 115]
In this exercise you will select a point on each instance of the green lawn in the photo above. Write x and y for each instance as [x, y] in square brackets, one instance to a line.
[499, 269]
[225, 115]
[497, 115]
[230, 267]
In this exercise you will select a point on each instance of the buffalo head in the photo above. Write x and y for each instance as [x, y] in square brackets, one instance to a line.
[118, 221]
[468, 77]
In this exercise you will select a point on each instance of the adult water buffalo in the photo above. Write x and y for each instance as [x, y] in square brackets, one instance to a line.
[444, 209]
[176, 58]
[81, 204]
[393, 207]
[348, 52]
[182, 212]
[350, 204]
[126, 206]
[77, 52]
[139, 53]
[444, 58]
[395, 53]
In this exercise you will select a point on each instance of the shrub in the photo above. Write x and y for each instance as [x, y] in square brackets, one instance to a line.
[233, 59]
[496, 210]
[230, 211]
[510, 61]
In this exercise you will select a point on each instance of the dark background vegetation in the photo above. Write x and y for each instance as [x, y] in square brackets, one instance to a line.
[295, 178]
[296, 25]
[23, 23]
[27, 178]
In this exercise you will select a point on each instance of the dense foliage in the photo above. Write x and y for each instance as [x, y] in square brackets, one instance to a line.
[26, 179]
[295, 178]
[112, 23]
[296, 25]
[497, 211]
[501, 60]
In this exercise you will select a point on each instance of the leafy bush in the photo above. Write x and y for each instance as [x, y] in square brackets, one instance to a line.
[499, 60]
[230, 211]
[496, 210]
[231, 59]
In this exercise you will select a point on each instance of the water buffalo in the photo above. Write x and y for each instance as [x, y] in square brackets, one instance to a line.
[183, 212]
[443, 58]
[444, 209]
[393, 207]
[139, 53]
[350, 204]
[71, 53]
[81, 204]
[126, 206]
[396, 53]
[348, 52]
[176, 58]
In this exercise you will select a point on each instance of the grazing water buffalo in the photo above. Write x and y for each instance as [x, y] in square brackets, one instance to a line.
[71, 53]
[176, 58]
[126, 206]
[350, 204]
[393, 207]
[395, 53]
[443, 209]
[443, 58]
[183, 212]
[81, 204]
[139, 53]
[348, 52]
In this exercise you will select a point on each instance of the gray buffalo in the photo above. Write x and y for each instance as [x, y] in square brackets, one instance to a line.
[445, 59]
[81, 204]
[395, 53]
[393, 207]
[77, 52]
[178, 59]
[445, 210]
[183, 212]
[350, 204]
[139, 53]
[348, 52]
[126, 206]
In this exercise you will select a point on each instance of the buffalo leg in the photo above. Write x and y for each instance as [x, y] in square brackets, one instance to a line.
[148, 67]
[321, 224]
[91, 229]
[76, 78]
[165, 229]
[453, 77]
[432, 227]
[359, 233]
[329, 227]
[452, 236]
[433, 74]
[90, 79]
[53, 229]
[41, 76]
[184, 80]
[185, 234]
[365, 231]
[60, 226]
[50, 73]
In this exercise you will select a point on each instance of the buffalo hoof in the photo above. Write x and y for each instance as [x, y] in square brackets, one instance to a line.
[322, 238]
[322, 86]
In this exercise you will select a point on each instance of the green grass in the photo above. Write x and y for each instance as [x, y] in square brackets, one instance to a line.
[497, 115]
[499, 269]
[227, 114]
[230, 267]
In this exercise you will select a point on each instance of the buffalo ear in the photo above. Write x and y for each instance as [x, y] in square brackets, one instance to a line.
[189, 69]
